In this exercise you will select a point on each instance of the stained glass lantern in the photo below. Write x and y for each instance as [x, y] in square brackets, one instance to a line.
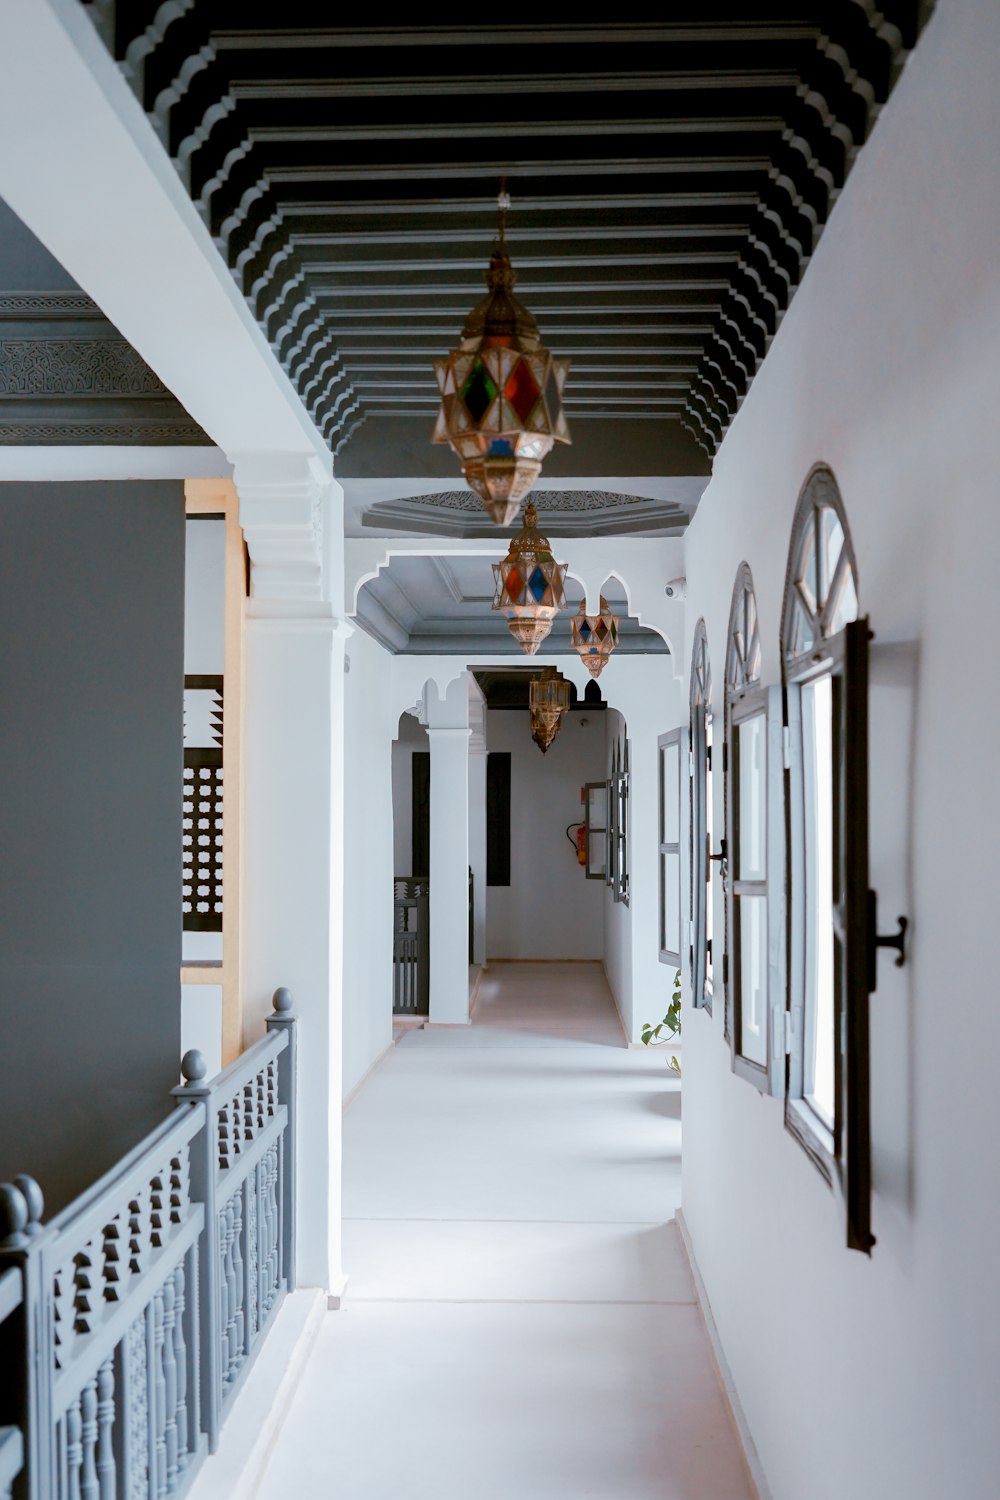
[595, 636]
[501, 393]
[529, 585]
[548, 699]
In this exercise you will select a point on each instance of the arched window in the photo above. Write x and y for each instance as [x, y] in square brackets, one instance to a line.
[700, 744]
[755, 998]
[825, 668]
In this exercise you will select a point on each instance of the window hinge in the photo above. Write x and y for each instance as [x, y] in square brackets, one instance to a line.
[786, 747]
[725, 968]
[708, 756]
[788, 1032]
[725, 757]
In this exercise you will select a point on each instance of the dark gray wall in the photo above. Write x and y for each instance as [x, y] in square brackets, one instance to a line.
[91, 705]
[25, 264]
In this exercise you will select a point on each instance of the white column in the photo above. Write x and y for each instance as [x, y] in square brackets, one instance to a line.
[477, 848]
[293, 872]
[448, 737]
[477, 817]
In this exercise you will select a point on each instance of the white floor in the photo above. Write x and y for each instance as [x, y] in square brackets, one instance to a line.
[520, 1321]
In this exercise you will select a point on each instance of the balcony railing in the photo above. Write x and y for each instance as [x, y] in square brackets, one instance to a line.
[129, 1322]
[411, 946]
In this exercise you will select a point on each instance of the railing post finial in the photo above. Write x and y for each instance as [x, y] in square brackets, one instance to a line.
[283, 1002]
[193, 1066]
[21, 1209]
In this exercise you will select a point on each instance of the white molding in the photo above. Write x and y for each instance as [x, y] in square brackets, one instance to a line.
[281, 513]
[101, 461]
[751, 1458]
[253, 1428]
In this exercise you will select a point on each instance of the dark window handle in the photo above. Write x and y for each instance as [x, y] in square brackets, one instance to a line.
[877, 940]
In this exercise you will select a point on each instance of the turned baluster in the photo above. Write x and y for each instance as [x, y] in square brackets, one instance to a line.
[106, 1473]
[180, 1364]
[74, 1451]
[159, 1400]
[169, 1385]
[88, 1441]
[236, 1345]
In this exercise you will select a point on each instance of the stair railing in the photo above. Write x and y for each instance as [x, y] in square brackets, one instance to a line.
[130, 1320]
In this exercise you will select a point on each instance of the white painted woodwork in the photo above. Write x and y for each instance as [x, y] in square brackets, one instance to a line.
[91, 179]
[448, 740]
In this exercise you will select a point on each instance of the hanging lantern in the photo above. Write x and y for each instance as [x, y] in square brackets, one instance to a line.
[529, 585]
[595, 636]
[501, 392]
[548, 699]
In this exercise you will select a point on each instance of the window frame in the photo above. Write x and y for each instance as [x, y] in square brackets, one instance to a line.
[669, 848]
[593, 843]
[701, 895]
[618, 822]
[747, 699]
[841, 1153]
[767, 1076]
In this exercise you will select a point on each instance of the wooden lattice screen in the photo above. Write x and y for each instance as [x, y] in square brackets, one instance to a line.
[203, 804]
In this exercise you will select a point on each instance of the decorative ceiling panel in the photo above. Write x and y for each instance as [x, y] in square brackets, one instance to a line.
[669, 183]
[564, 513]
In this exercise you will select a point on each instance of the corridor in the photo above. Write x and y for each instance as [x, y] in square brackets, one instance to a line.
[520, 1322]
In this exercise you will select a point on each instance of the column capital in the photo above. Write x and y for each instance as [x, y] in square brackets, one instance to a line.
[447, 731]
[281, 512]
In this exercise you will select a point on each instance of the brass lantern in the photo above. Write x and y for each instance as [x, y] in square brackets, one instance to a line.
[595, 636]
[548, 698]
[529, 585]
[501, 393]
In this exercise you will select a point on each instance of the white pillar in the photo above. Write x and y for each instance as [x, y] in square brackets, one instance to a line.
[293, 871]
[448, 737]
[477, 817]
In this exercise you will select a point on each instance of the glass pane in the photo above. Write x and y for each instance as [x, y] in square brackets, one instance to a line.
[671, 765]
[807, 580]
[833, 540]
[803, 636]
[671, 930]
[845, 607]
[752, 795]
[753, 978]
[817, 748]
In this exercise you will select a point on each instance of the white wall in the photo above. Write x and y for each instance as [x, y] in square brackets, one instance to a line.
[368, 858]
[549, 910]
[877, 1379]
[411, 736]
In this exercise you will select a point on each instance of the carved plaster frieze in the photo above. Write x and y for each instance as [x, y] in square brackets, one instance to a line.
[57, 368]
[68, 378]
[121, 434]
[33, 305]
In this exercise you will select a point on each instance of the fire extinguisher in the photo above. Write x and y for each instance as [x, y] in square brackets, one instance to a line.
[579, 840]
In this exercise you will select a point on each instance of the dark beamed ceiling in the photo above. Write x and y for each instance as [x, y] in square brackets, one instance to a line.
[669, 181]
